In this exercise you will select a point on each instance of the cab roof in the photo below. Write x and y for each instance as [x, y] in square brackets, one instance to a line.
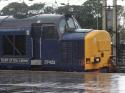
[7, 22]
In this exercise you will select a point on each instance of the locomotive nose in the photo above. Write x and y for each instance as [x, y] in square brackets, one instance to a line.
[97, 50]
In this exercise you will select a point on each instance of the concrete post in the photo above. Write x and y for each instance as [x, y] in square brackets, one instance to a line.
[104, 5]
[115, 34]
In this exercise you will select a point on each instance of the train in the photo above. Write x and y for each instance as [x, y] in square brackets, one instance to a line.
[53, 42]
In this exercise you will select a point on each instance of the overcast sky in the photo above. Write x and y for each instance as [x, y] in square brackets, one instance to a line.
[50, 2]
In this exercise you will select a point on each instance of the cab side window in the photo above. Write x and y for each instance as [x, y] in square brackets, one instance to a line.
[76, 23]
[62, 26]
[71, 23]
[49, 32]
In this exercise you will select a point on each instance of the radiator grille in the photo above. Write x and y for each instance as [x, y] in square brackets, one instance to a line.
[72, 52]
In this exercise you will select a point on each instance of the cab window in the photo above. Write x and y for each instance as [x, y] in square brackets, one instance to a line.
[71, 23]
[62, 26]
[49, 32]
[76, 23]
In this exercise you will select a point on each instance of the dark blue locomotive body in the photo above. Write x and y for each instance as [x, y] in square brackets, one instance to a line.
[47, 42]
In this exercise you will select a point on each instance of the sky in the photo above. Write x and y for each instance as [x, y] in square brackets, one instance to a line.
[52, 2]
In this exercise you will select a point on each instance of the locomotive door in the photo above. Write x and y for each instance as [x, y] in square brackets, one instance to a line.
[45, 43]
[36, 36]
[50, 45]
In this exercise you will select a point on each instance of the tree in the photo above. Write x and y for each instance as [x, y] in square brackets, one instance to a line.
[49, 10]
[18, 10]
[37, 8]
[92, 14]
[62, 9]
[86, 14]
[22, 10]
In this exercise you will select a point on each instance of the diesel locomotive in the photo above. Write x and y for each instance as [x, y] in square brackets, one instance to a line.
[52, 42]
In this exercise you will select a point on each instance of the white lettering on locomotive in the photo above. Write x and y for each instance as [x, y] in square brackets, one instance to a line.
[52, 62]
[13, 60]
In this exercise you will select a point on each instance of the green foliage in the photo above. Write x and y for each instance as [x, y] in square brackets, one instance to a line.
[18, 10]
[22, 10]
[86, 14]
[63, 9]
[37, 6]
[120, 9]
[36, 9]
[49, 10]
[92, 10]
